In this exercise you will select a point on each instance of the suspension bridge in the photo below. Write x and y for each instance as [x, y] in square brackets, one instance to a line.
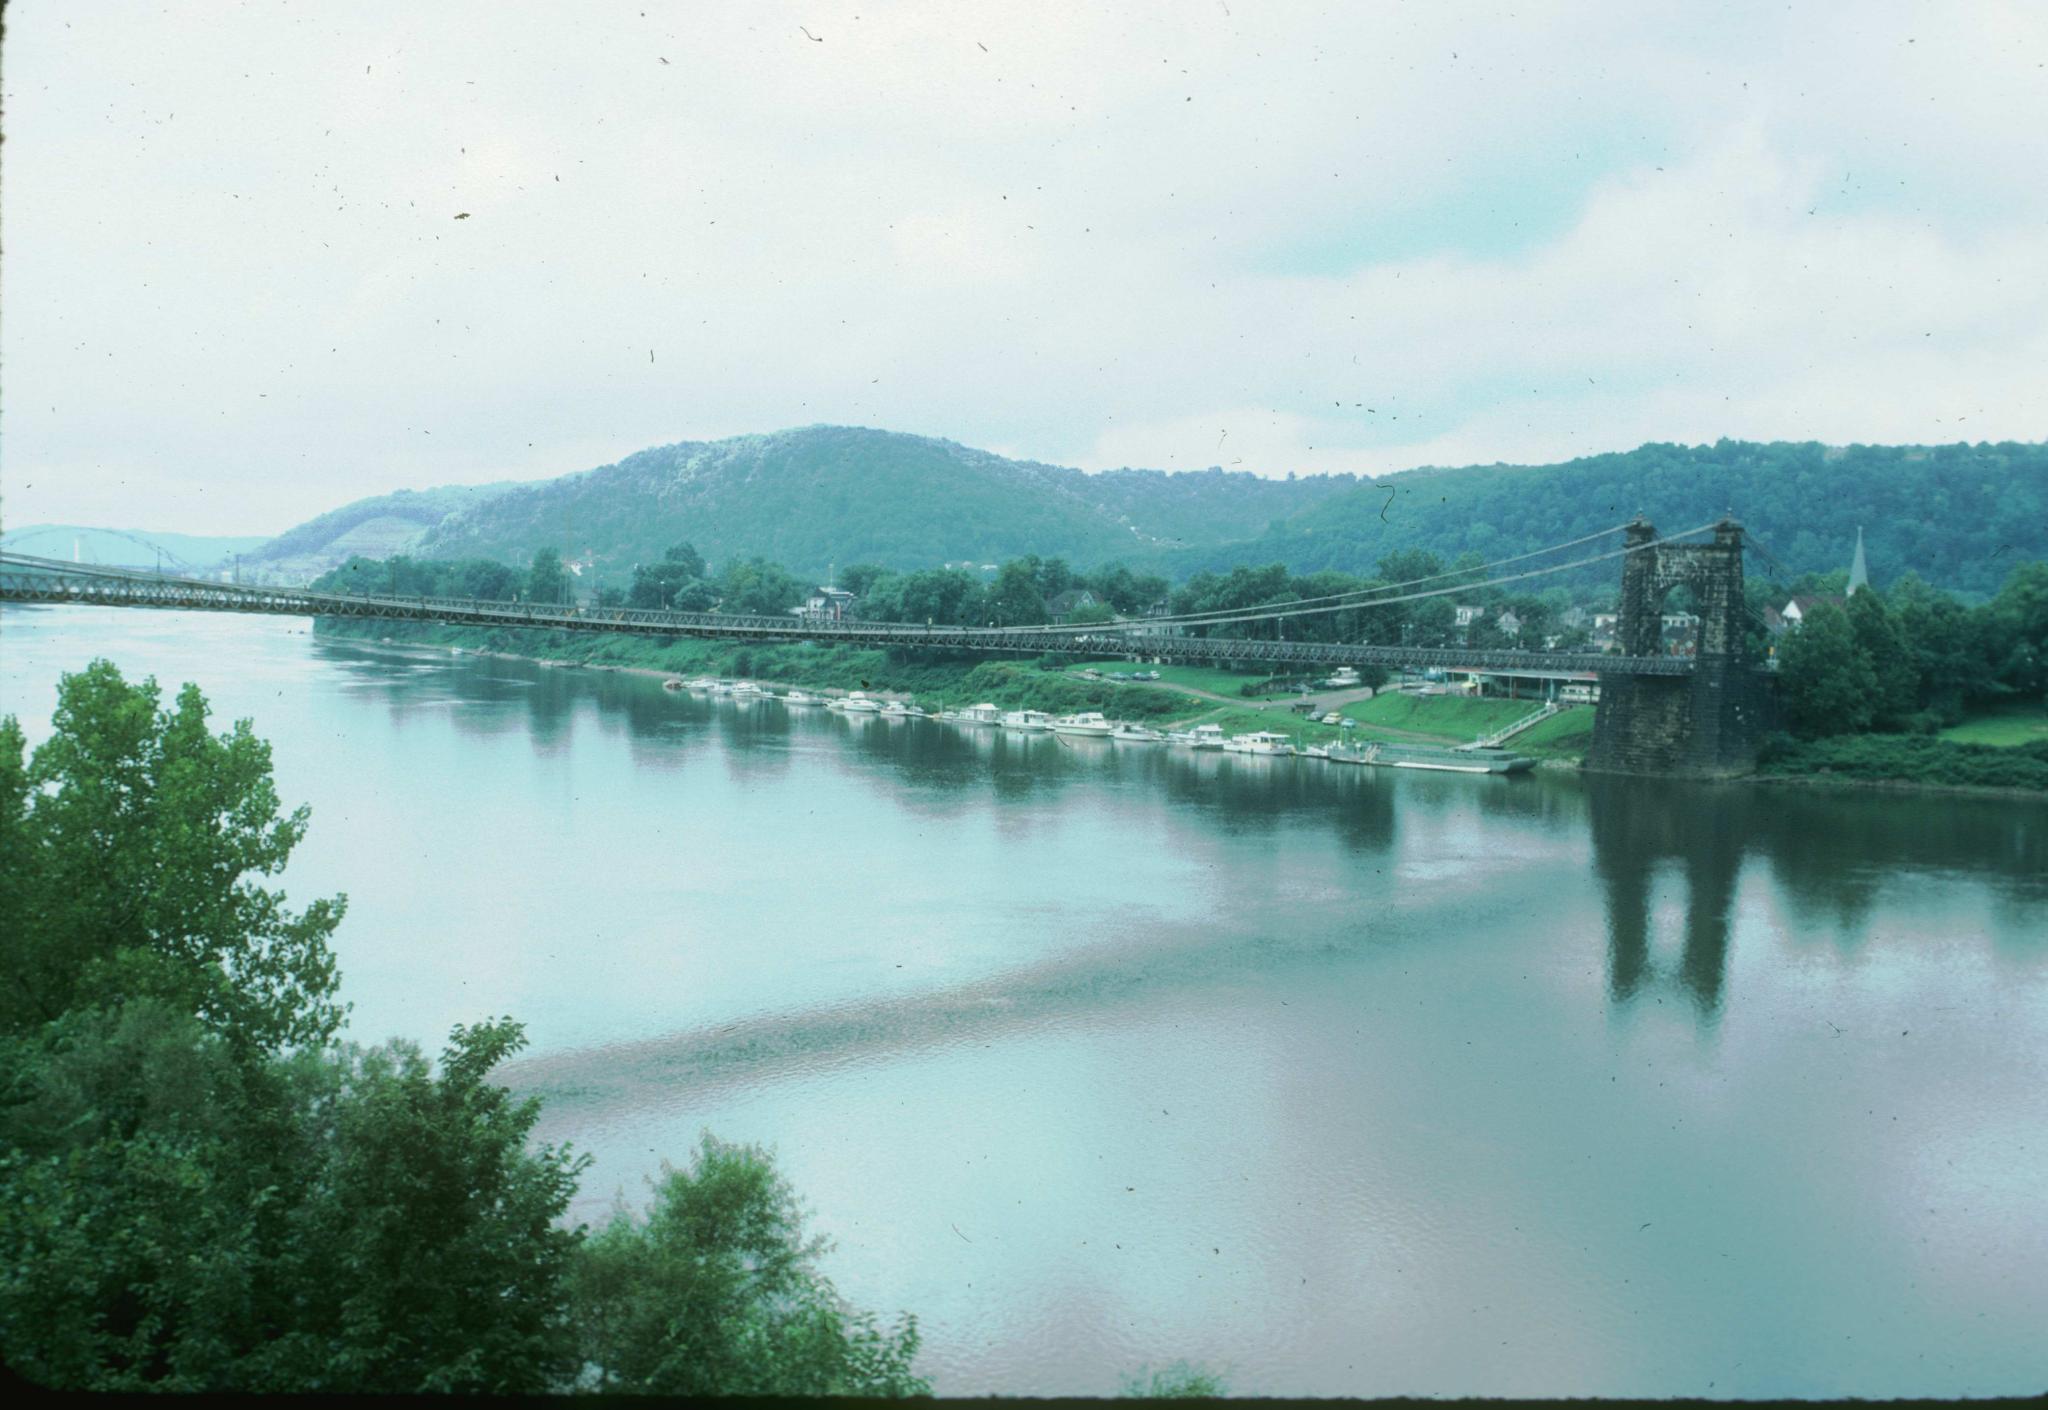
[1658, 713]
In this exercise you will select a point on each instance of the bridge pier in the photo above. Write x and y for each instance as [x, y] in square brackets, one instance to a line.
[1708, 723]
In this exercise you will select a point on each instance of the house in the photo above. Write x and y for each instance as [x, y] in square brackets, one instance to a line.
[1508, 622]
[826, 604]
[1066, 604]
[1468, 615]
[1794, 612]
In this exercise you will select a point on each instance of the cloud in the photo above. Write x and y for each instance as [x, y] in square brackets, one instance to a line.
[1359, 237]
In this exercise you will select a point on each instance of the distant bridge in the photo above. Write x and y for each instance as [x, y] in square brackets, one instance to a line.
[1640, 726]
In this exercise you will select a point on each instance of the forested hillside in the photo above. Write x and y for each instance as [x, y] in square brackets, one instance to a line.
[373, 528]
[833, 494]
[1959, 515]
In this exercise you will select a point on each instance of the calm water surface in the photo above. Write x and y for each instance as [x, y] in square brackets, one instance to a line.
[1342, 1080]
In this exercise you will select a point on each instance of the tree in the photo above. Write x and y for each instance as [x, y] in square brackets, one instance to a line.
[756, 587]
[659, 585]
[201, 1191]
[133, 837]
[686, 559]
[1891, 659]
[1013, 598]
[717, 1292]
[426, 1253]
[2021, 613]
[547, 581]
[176, 1217]
[1825, 679]
[859, 578]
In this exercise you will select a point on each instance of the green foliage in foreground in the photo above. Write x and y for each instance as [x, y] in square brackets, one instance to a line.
[129, 848]
[202, 1189]
[1909, 759]
[717, 1292]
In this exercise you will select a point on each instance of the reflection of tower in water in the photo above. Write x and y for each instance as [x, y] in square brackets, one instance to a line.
[1638, 827]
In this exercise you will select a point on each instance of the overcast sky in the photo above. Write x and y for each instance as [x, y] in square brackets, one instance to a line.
[1276, 237]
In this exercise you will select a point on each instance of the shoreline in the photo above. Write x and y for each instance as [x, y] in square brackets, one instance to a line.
[1543, 765]
[1896, 785]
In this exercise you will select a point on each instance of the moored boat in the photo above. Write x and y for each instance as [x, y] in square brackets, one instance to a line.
[856, 702]
[672, 683]
[800, 697]
[1200, 737]
[1127, 733]
[982, 714]
[1027, 721]
[1424, 756]
[1088, 724]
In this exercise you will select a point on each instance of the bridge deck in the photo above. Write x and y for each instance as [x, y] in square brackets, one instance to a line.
[34, 580]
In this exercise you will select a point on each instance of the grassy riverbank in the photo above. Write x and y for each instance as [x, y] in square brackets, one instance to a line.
[941, 679]
[1914, 760]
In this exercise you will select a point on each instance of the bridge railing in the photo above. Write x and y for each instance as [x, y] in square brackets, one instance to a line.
[26, 579]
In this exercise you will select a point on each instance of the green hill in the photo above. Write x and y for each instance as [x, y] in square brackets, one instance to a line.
[1959, 515]
[834, 494]
[374, 528]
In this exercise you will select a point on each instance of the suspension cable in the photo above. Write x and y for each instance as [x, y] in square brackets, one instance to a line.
[1292, 610]
[1377, 587]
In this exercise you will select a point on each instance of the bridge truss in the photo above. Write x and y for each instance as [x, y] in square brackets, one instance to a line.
[27, 579]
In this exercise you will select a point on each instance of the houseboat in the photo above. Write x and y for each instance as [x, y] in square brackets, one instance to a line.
[1200, 737]
[1259, 742]
[982, 714]
[1027, 721]
[856, 702]
[1089, 723]
[800, 697]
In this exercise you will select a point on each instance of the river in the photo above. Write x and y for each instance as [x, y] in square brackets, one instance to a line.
[1343, 1081]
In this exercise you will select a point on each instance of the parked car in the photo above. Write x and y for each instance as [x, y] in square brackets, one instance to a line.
[1332, 718]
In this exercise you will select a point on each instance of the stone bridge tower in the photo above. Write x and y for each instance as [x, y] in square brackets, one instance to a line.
[1708, 723]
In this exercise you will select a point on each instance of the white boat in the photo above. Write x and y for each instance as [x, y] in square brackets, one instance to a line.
[747, 690]
[1089, 723]
[1316, 751]
[799, 697]
[672, 683]
[855, 702]
[982, 714]
[721, 687]
[894, 707]
[702, 683]
[1259, 742]
[1200, 737]
[1028, 721]
[1126, 733]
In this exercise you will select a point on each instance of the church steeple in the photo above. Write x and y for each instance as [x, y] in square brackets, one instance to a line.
[1859, 572]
